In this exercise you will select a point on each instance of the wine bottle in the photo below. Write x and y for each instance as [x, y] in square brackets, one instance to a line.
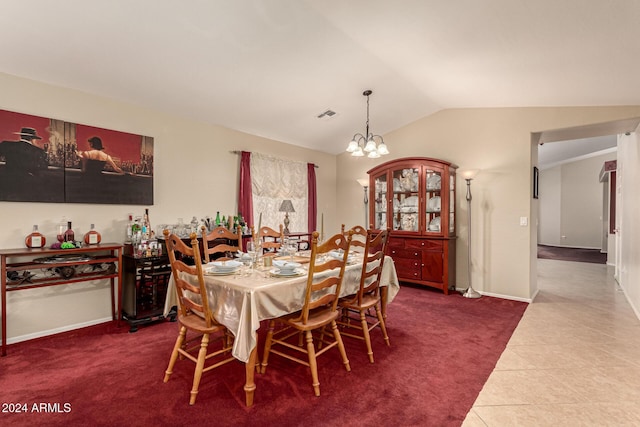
[217, 218]
[35, 239]
[92, 237]
[69, 235]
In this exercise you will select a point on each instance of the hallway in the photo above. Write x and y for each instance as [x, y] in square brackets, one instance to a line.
[574, 358]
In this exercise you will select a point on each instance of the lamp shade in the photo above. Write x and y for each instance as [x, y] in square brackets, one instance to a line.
[287, 206]
[363, 181]
[470, 173]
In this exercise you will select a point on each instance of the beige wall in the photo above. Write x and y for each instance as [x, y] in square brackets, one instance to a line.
[571, 203]
[499, 142]
[195, 174]
[628, 182]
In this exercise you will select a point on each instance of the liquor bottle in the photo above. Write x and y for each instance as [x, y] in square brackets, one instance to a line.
[69, 235]
[35, 239]
[129, 230]
[146, 225]
[92, 237]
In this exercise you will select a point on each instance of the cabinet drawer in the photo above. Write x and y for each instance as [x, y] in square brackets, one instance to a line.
[405, 253]
[408, 268]
[431, 245]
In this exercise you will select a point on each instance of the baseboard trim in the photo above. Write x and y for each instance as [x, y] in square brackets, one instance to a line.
[501, 296]
[59, 330]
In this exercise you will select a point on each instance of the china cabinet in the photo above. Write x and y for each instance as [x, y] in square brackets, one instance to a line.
[415, 198]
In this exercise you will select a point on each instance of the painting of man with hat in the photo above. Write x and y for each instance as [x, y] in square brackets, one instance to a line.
[23, 157]
[26, 174]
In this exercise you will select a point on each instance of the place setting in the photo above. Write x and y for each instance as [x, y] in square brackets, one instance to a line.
[222, 268]
[286, 269]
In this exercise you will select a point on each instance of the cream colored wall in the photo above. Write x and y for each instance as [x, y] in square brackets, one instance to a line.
[549, 204]
[195, 174]
[571, 203]
[628, 181]
[499, 142]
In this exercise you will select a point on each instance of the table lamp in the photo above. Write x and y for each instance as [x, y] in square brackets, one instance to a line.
[286, 207]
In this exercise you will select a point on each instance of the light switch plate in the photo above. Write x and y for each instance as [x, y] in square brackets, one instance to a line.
[524, 221]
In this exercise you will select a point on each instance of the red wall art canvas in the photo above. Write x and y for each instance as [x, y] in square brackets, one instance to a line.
[50, 160]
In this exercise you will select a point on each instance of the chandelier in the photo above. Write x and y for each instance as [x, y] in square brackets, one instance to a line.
[371, 144]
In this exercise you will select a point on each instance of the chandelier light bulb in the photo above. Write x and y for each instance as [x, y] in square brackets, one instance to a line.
[371, 146]
[358, 152]
[373, 154]
[382, 149]
[353, 146]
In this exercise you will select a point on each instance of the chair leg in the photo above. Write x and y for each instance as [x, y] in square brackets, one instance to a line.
[267, 346]
[383, 326]
[343, 353]
[365, 333]
[202, 355]
[174, 353]
[312, 363]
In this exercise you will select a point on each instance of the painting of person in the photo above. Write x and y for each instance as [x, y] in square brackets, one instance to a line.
[23, 158]
[95, 159]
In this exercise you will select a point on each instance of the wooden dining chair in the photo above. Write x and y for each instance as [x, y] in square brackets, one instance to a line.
[221, 241]
[359, 235]
[319, 310]
[271, 239]
[194, 315]
[356, 309]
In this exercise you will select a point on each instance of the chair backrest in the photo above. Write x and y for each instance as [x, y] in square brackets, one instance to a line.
[372, 263]
[271, 239]
[359, 235]
[323, 290]
[191, 298]
[221, 240]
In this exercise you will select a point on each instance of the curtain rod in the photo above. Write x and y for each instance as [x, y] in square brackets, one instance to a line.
[240, 152]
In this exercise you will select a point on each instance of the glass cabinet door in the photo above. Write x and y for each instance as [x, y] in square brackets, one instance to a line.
[452, 203]
[433, 205]
[380, 202]
[406, 200]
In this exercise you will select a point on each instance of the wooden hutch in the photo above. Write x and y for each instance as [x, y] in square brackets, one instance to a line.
[415, 198]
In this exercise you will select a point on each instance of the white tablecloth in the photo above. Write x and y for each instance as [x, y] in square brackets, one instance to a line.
[241, 302]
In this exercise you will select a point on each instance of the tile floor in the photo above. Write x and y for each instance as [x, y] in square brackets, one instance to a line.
[573, 360]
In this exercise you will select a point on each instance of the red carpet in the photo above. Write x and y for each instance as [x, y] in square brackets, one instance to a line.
[443, 348]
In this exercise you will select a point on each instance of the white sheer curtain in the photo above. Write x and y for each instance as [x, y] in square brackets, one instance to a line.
[274, 180]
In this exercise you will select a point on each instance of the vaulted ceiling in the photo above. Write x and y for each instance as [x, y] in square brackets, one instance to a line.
[271, 67]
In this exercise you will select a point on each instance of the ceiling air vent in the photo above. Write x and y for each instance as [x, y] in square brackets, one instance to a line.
[327, 114]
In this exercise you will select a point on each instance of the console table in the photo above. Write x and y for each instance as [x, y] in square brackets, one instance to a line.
[59, 267]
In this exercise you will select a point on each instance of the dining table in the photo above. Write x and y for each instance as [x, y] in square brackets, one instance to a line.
[242, 299]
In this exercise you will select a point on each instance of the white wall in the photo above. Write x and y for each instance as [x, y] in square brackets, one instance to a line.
[628, 182]
[195, 174]
[571, 203]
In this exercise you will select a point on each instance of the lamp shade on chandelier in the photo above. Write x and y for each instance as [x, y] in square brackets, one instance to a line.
[371, 145]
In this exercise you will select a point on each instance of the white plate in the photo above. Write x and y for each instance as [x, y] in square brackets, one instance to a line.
[293, 273]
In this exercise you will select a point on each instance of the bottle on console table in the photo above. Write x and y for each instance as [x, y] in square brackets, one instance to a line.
[92, 237]
[69, 235]
[35, 239]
